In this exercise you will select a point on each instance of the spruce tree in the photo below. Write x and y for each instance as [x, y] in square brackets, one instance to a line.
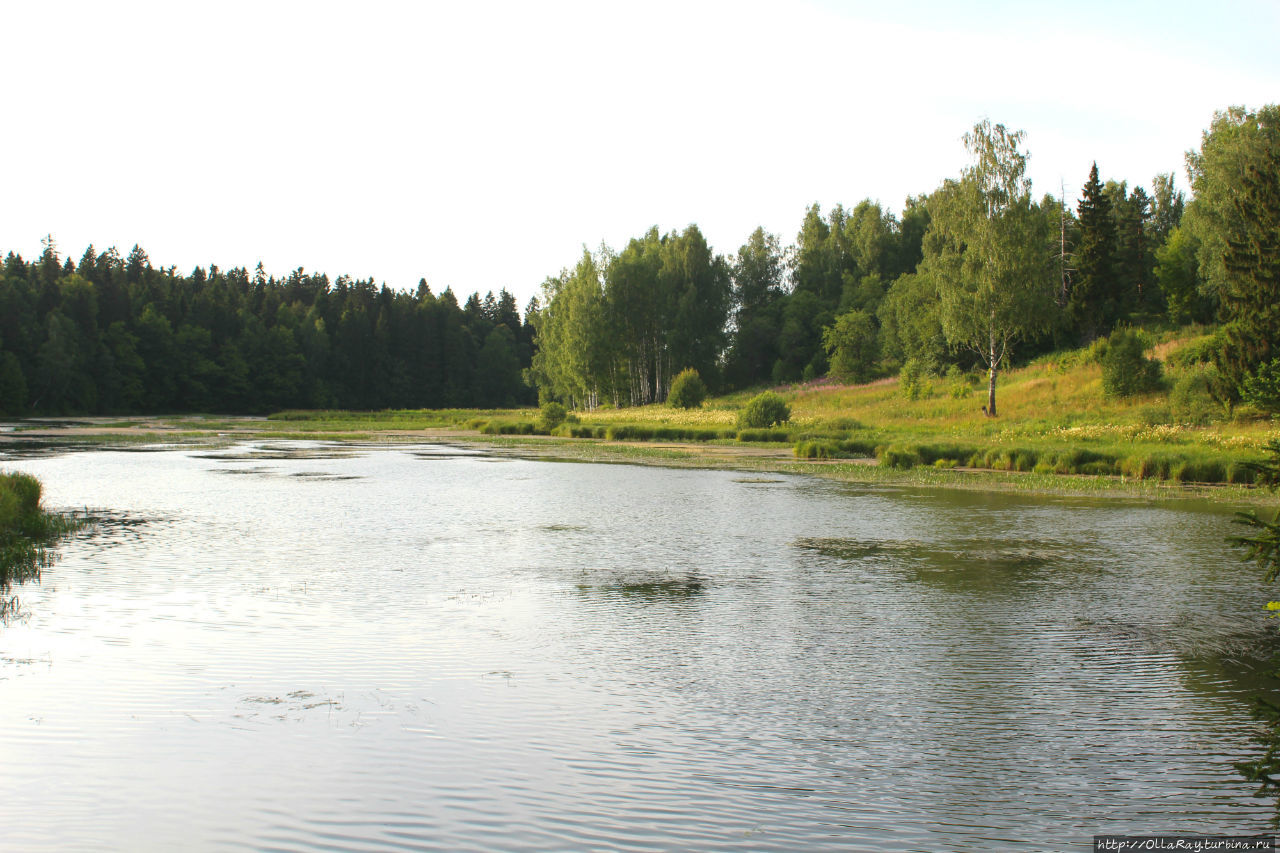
[1093, 299]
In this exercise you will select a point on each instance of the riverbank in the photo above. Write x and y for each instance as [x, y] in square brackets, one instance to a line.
[759, 457]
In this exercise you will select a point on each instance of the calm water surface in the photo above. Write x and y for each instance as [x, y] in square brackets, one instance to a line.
[293, 646]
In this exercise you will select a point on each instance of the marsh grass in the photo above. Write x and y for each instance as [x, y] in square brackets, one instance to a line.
[27, 532]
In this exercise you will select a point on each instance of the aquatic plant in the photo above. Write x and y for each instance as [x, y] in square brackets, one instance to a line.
[26, 532]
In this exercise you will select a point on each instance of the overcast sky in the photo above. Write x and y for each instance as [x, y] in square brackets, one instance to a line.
[481, 145]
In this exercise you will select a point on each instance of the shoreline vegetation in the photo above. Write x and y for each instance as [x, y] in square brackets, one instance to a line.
[1058, 432]
[27, 534]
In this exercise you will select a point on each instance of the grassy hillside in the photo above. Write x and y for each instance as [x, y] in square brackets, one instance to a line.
[1054, 418]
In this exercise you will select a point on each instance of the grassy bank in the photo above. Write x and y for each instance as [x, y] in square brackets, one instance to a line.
[1055, 419]
[1057, 429]
[26, 532]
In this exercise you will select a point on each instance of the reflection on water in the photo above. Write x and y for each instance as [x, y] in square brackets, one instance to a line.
[293, 645]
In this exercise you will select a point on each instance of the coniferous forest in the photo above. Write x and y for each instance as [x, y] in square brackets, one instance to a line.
[860, 293]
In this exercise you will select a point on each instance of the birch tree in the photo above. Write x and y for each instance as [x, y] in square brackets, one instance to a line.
[988, 253]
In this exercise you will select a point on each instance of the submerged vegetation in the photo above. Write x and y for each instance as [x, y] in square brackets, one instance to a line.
[1263, 548]
[27, 531]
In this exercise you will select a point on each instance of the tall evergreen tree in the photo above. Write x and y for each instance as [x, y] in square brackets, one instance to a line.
[1251, 300]
[1093, 300]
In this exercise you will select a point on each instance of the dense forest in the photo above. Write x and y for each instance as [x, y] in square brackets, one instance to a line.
[974, 274]
[112, 334]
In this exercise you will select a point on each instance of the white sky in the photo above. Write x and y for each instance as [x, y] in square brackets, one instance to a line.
[480, 145]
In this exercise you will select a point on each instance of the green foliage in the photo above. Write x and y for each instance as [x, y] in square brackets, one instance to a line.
[1194, 398]
[645, 432]
[26, 530]
[619, 324]
[1197, 352]
[910, 327]
[897, 456]
[1262, 389]
[960, 385]
[13, 385]
[913, 380]
[551, 415]
[115, 335]
[1236, 216]
[764, 410]
[1095, 301]
[764, 435]
[687, 390]
[1126, 371]
[987, 252]
[852, 346]
[1262, 546]
[510, 428]
[1177, 272]
[1189, 466]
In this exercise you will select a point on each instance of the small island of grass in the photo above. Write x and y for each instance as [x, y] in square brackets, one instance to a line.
[27, 531]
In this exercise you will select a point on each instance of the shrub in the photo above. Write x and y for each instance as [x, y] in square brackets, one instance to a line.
[687, 390]
[1196, 352]
[912, 380]
[1155, 415]
[1126, 372]
[764, 410]
[550, 415]
[1193, 400]
[959, 384]
[1262, 389]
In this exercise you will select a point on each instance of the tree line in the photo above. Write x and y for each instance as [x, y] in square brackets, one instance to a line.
[115, 334]
[965, 273]
[974, 274]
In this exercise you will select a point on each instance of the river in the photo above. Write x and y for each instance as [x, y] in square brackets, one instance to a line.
[304, 646]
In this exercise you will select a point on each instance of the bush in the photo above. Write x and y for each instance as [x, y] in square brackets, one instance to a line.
[1262, 389]
[1192, 399]
[1126, 371]
[687, 390]
[763, 411]
[912, 380]
[959, 384]
[1196, 352]
[551, 415]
